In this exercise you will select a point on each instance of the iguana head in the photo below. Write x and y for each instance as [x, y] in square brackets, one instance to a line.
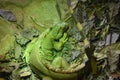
[58, 30]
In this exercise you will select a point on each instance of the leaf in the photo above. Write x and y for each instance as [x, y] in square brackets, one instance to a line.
[29, 33]
[111, 38]
[21, 40]
[8, 15]
[113, 59]
[103, 53]
[79, 26]
[86, 42]
[18, 51]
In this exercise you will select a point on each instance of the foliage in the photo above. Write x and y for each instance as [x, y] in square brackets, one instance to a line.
[100, 20]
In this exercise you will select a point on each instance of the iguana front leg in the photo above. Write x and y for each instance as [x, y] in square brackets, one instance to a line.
[58, 45]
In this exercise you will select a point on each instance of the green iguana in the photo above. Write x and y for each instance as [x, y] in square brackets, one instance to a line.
[45, 55]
